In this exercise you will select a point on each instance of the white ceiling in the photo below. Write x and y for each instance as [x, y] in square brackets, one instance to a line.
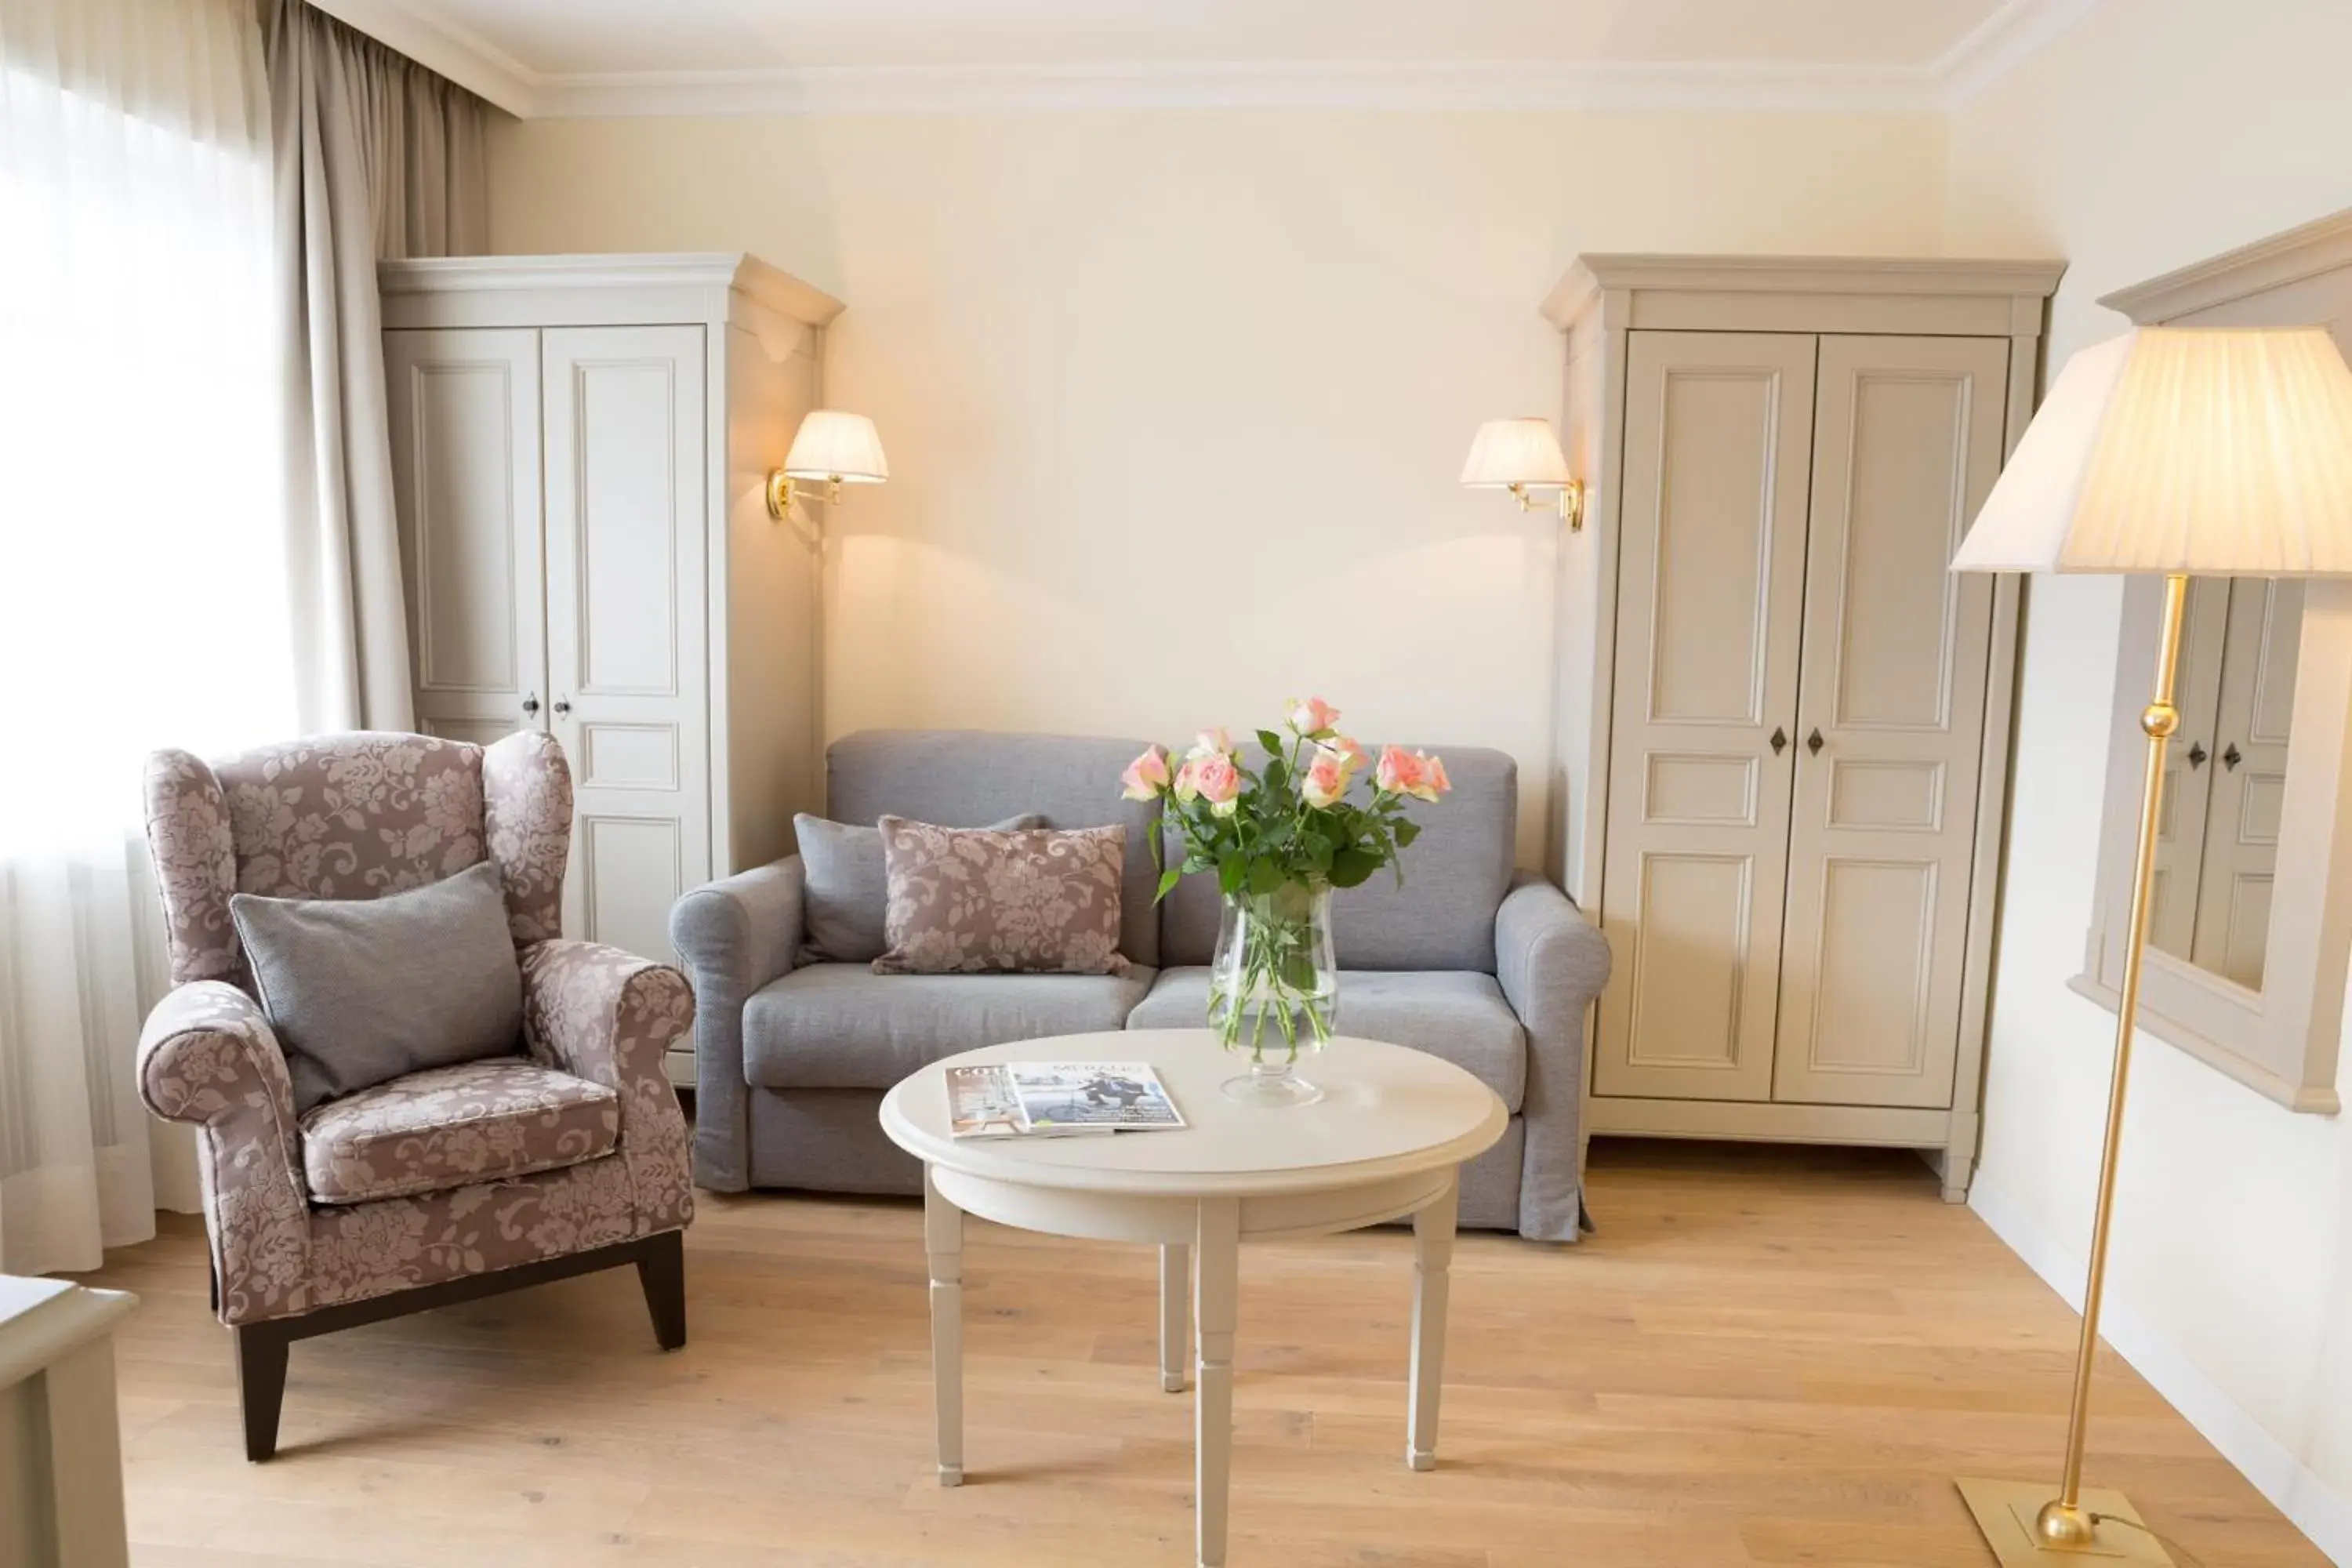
[606, 57]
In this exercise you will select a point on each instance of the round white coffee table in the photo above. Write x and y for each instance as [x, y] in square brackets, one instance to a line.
[1387, 1141]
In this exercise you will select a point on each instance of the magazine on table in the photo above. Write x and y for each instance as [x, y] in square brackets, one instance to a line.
[1030, 1100]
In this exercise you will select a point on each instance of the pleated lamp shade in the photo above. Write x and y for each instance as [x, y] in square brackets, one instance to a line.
[2172, 450]
[1515, 452]
[832, 444]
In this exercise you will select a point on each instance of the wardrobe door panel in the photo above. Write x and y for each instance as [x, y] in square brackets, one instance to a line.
[1907, 441]
[2187, 782]
[2248, 776]
[1711, 563]
[464, 414]
[627, 622]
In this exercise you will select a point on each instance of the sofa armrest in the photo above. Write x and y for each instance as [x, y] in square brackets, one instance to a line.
[737, 935]
[208, 1056]
[1551, 965]
[611, 1017]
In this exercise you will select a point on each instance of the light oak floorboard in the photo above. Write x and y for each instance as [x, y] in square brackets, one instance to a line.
[1766, 1357]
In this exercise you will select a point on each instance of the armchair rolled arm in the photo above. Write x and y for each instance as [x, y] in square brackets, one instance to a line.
[737, 935]
[1551, 965]
[611, 1017]
[208, 1056]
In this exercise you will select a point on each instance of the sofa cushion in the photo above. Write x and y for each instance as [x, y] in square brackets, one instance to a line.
[969, 778]
[1457, 1015]
[1456, 875]
[848, 890]
[841, 1026]
[971, 900]
[361, 991]
[448, 1126]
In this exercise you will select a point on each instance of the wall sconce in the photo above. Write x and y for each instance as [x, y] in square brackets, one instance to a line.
[831, 449]
[1522, 455]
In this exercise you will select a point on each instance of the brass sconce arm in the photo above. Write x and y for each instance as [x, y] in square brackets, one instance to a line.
[1568, 498]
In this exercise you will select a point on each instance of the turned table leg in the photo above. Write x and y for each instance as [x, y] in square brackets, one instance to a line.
[1216, 1268]
[1432, 1255]
[1175, 1315]
[943, 1240]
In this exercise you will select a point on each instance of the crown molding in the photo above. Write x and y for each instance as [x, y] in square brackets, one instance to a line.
[1239, 84]
[2324, 245]
[2002, 42]
[1990, 51]
[746, 274]
[440, 44]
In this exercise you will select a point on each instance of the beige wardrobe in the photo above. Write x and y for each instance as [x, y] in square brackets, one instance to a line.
[1783, 722]
[580, 446]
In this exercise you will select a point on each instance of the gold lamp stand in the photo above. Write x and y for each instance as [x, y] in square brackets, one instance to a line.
[2022, 1521]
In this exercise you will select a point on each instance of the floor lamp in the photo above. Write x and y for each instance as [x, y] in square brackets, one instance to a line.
[2179, 454]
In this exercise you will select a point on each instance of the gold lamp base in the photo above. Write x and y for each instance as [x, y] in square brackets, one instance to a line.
[2006, 1512]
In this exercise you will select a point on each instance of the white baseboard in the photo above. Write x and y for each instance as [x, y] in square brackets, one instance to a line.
[2308, 1503]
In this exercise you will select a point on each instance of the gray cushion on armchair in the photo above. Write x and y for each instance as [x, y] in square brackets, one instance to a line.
[360, 991]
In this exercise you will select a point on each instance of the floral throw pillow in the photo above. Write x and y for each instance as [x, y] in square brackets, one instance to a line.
[980, 901]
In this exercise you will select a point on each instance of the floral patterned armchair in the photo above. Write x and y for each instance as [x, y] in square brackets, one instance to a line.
[568, 1156]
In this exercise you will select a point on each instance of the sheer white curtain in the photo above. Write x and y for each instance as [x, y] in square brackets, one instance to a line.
[142, 595]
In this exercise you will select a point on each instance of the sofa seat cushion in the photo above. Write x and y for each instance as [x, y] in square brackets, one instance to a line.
[841, 1026]
[1458, 1014]
[452, 1126]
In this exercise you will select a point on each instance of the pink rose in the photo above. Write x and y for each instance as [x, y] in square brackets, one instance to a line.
[1313, 717]
[1326, 778]
[1216, 781]
[1347, 745]
[1146, 776]
[1213, 742]
[1400, 771]
[1415, 774]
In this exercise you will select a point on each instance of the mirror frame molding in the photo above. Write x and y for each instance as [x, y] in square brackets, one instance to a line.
[2283, 1040]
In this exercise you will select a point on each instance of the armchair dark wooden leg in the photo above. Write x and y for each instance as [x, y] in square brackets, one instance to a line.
[661, 1270]
[261, 1384]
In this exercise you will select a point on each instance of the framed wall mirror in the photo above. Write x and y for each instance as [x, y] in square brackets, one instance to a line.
[2250, 931]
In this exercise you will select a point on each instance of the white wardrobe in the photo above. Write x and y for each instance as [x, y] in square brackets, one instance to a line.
[1784, 723]
[581, 448]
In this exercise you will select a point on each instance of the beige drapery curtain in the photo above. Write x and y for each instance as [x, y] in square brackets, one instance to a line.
[377, 158]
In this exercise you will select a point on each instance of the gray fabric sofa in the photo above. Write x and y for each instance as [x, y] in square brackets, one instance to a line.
[1492, 969]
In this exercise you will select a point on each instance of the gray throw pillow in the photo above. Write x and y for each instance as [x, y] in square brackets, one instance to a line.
[846, 888]
[360, 991]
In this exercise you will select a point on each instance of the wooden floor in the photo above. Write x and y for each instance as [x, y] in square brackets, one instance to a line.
[1764, 1357]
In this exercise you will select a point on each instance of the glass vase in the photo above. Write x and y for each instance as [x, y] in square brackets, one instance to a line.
[1273, 989]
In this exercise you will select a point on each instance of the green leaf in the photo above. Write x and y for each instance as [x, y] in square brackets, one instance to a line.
[1352, 867]
[1264, 877]
[1271, 742]
[1406, 832]
[1232, 871]
[1168, 880]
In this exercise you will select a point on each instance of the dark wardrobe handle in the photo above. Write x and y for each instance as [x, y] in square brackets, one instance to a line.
[2197, 755]
[2230, 759]
[1780, 741]
[530, 705]
[1813, 742]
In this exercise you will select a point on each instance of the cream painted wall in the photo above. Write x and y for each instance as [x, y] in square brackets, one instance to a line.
[1175, 400]
[2155, 133]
